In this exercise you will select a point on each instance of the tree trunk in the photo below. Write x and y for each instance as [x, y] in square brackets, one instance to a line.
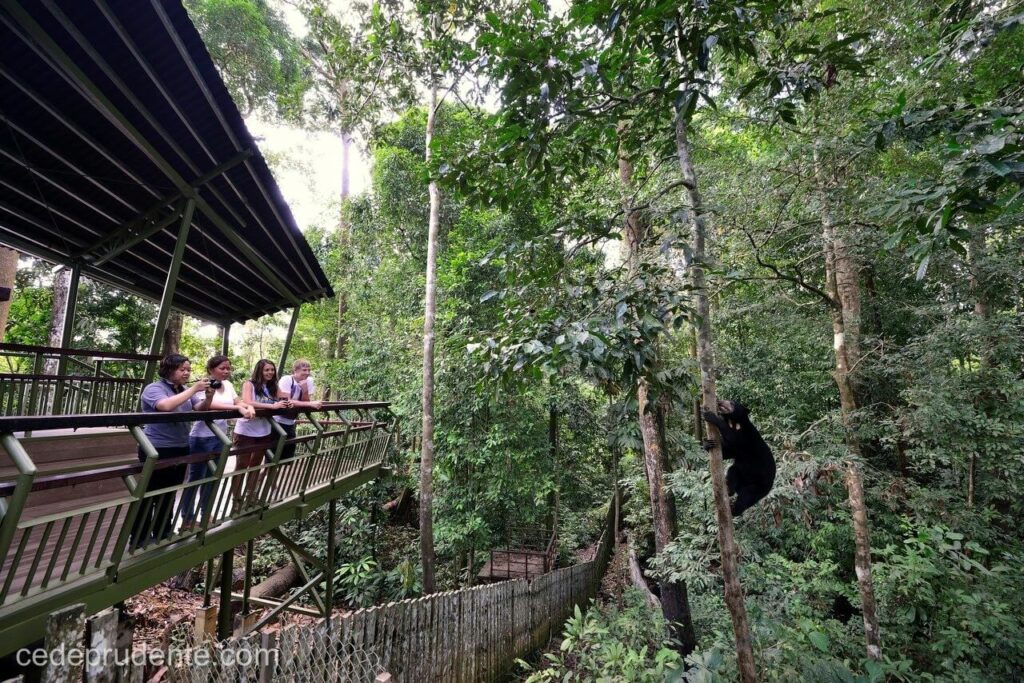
[675, 604]
[277, 584]
[706, 359]
[430, 311]
[8, 272]
[841, 374]
[862, 561]
[61, 291]
[346, 147]
[172, 333]
[848, 290]
[843, 341]
[552, 516]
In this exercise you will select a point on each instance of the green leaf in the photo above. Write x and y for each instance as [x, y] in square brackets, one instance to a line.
[819, 640]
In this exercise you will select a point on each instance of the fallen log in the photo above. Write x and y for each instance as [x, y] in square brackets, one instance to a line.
[636, 575]
[277, 584]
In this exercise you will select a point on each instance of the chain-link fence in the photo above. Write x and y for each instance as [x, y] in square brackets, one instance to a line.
[315, 653]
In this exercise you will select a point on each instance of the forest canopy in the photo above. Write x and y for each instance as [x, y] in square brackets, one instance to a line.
[823, 199]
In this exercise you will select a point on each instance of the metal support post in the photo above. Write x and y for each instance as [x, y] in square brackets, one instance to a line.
[225, 333]
[66, 337]
[68, 333]
[226, 579]
[288, 338]
[14, 506]
[208, 582]
[138, 490]
[169, 286]
[247, 582]
[332, 518]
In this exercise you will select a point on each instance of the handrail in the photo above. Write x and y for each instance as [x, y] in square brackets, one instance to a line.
[76, 378]
[35, 423]
[43, 552]
[92, 353]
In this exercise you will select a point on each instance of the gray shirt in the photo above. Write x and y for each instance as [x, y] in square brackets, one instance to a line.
[171, 433]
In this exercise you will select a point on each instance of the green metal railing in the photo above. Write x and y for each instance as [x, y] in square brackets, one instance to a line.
[102, 540]
[43, 380]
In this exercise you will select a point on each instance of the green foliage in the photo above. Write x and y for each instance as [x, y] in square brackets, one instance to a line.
[611, 643]
[258, 57]
[950, 604]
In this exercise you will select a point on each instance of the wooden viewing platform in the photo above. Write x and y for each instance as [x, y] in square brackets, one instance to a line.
[78, 521]
[527, 558]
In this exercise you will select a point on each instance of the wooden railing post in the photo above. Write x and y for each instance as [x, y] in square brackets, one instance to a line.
[273, 468]
[95, 394]
[33, 397]
[138, 490]
[218, 474]
[10, 511]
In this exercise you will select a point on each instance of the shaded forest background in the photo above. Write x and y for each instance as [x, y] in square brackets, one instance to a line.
[861, 174]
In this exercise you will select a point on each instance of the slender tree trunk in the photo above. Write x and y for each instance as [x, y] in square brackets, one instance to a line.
[675, 604]
[8, 272]
[172, 333]
[551, 523]
[430, 311]
[346, 148]
[841, 341]
[61, 291]
[848, 291]
[706, 358]
[862, 561]
[982, 311]
[845, 268]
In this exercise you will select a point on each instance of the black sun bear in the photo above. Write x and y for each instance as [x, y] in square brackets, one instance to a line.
[752, 473]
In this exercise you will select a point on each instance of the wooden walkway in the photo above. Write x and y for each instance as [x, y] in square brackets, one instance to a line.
[69, 541]
[505, 565]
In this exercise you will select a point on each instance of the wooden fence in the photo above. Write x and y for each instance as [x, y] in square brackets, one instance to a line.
[469, 635]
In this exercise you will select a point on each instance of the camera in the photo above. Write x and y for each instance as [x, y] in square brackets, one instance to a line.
[216, 384]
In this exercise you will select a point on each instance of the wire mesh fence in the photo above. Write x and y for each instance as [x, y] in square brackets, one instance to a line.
[317, 653]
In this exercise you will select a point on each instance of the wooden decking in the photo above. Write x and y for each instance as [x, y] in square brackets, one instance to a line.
[504, 565]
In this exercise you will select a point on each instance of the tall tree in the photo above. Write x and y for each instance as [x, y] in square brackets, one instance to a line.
[8, 271]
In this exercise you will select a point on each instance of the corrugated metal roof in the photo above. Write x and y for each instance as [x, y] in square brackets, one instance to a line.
[112, 115]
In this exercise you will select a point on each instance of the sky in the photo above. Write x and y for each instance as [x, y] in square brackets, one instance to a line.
[307, 167]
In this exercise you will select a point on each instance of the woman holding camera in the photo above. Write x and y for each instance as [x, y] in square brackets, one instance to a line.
[170, 394]
[253, 435]
[219, 395]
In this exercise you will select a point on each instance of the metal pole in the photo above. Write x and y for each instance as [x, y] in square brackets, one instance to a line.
[226, 579]
[225, 333]
[69, 312]
[288, 339]
[247, 584]
[66, 337]
[332, 518]
[169, 286]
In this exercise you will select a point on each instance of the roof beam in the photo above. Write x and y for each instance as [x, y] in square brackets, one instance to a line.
[201, 83]
[136, 230]
[67, 162]
[82, 135]
[78, 79]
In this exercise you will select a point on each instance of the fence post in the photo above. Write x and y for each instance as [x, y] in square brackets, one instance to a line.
[65, 631]
[101, 632]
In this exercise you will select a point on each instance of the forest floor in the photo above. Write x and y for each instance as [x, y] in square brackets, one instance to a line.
[157, 612]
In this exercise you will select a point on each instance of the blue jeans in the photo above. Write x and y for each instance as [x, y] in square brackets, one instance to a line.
[197, 471]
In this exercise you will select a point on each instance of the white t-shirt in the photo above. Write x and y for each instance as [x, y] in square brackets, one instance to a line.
[294, 390]
[226, 395]
[257, 426]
